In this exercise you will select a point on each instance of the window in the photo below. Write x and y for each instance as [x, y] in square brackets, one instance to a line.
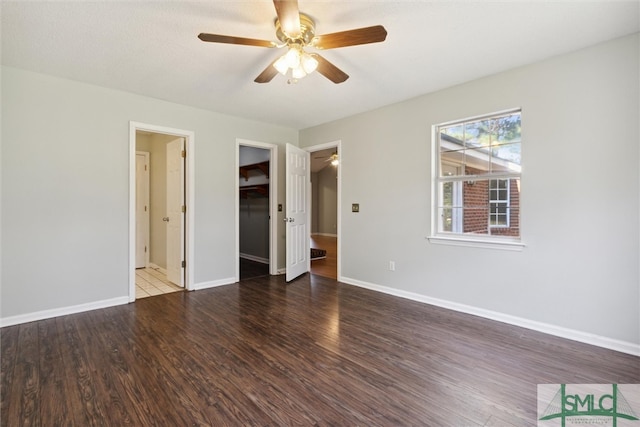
[499, 203]
[477, 178]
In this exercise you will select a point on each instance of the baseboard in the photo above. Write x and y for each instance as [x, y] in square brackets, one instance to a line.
[281, 271]
[158, 268]
[255, 258]
[214, 283]
[324, 234]
[580, 336]
[63, 311]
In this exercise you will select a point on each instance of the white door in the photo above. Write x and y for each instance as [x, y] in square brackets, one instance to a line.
[175, 214]
[297, 212]
[142, 209]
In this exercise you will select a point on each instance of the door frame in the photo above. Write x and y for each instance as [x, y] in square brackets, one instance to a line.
[273, 203]
[338, 146]
[188, 229]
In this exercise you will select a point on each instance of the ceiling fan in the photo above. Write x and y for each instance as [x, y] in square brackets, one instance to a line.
[296, 31]
[333, 158]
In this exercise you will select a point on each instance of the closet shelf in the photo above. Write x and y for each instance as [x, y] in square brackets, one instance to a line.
[260, 190]
[262, 167]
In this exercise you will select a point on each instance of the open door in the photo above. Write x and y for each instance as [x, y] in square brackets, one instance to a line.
[142, 209]
[175, 211]
[297, 212]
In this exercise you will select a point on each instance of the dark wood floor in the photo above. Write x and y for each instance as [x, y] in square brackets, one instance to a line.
[263, 353]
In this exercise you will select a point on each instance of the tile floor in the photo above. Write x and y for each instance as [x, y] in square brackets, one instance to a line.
[151, 282]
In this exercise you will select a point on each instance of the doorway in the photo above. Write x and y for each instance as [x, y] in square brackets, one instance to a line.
[326, 165]
[256, 209]
[166, 219]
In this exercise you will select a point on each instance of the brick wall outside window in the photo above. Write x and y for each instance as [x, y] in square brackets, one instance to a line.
[476, 211]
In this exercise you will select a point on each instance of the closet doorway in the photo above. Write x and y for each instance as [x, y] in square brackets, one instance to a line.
[256, 209]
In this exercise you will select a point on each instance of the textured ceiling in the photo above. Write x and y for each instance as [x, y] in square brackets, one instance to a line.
[151, 48]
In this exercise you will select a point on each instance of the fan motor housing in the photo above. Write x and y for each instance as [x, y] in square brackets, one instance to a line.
[307, 31]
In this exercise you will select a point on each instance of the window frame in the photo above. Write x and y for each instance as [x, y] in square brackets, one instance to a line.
[460, 238]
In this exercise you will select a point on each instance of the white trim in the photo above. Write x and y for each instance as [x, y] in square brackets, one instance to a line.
[281, 271]
[189, 137]
[559, 331]
[63, 311]
[273, 202]
[338, 145]
[499, 113]
[254, 258]
[214, 283]
[477, 243]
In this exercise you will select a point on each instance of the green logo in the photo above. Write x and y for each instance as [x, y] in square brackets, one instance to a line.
[588, 404]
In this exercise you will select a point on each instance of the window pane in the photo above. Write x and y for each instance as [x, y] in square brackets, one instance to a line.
[507, 129]
[452, 158]
[451, 149]
[476, 219]
[477, 134]
[478, 162]
[506, 143]
[452, 133]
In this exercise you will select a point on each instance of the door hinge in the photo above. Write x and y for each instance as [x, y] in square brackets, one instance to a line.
[183, 153]
[184, 209]
[145, 208]
[145, 167]
[184, 264]
[145, 249]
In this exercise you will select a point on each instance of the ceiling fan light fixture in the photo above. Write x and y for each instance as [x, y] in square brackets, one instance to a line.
[309, 63]
[298, 72]
[281, 65]
[293, 57]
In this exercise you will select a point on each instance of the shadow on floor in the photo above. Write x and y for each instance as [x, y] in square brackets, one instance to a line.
[251, 269]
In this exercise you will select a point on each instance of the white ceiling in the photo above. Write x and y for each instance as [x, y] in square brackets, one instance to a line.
[151, 48]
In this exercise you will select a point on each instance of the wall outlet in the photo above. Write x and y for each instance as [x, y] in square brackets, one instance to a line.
[392, 266]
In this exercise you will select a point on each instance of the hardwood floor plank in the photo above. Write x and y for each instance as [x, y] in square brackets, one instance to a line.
[266, 353]
[9, 338]
[327, 267]
[54, 378]
[23, 404]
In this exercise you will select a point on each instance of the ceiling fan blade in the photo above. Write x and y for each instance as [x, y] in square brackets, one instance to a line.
[217, 38]
[329, 70]
[366, 35]
[267, 74]
[289, 17]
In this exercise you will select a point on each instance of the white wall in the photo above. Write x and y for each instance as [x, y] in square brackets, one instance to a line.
[580, 196]
[65, 160]
[327, 200]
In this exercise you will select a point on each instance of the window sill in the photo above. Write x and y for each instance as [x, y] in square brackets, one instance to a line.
[505, 245]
